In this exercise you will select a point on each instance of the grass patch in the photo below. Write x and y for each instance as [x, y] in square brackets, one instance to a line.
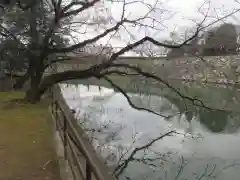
[26, 141]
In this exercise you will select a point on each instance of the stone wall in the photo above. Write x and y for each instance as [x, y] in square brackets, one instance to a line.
[220, 68]
[212, 68]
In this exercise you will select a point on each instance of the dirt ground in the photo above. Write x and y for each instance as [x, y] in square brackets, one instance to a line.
[26, 141]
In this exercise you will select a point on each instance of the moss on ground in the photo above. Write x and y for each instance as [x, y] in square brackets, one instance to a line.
[26, 141]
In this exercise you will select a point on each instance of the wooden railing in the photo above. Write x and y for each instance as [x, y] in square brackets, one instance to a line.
[81, 157]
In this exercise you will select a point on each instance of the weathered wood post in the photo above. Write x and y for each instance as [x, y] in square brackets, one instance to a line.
[80, 158]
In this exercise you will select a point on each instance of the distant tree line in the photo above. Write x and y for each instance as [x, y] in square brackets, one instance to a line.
[222, 40]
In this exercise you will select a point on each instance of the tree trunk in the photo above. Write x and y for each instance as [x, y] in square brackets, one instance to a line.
[35, 61]
[32, 94]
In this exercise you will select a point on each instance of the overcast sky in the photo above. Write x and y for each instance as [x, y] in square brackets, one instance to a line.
[175, 15]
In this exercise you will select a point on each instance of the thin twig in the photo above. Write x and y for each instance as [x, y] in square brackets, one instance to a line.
[121, 167]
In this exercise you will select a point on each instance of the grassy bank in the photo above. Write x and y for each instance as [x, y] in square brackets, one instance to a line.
[26, 143]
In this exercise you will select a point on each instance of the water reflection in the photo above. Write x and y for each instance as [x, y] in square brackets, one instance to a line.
[217, 121]
[196, 152]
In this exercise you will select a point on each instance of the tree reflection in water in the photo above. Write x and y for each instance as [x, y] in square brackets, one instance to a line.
[217, 119]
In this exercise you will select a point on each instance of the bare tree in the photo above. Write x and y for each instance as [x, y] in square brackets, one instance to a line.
[59, 12]
[74, 17]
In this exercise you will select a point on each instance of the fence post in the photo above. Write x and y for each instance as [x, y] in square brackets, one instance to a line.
[51, 100]
[65, 136]
[53, 108]
[74, 145]
[88, 172]
[55, 103]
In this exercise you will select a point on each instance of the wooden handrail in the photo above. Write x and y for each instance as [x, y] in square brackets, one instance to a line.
[76, 142]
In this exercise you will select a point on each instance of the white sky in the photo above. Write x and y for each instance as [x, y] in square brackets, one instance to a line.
[178, 17]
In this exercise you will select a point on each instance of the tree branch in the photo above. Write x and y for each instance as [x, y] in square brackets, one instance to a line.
[54, 4]
[118, 88]
[121, 167]
[130, 46]
[49, 80]
[155, 42]
[194, 101]
[56, 61]
[89, 41]
[73, 3]
[8, 33]
[85, 6]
